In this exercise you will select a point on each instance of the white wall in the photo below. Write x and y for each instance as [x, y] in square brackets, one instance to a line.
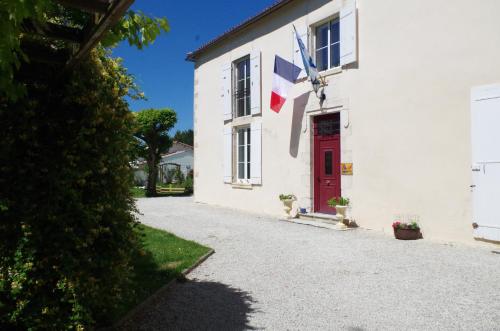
[407, 101]
[185, 159]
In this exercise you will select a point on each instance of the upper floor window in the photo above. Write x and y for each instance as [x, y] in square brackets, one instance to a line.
[241, 88]
[328, 45]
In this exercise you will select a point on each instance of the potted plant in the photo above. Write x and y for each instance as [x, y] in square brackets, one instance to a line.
[340, 204]
[287, 200]
[406, 231]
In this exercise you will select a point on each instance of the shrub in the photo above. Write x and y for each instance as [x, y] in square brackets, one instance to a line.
[188, 184]
[179, 176]
[340, 201]
[175, 176]
[413, 225]
[284, 197]
[66, 230]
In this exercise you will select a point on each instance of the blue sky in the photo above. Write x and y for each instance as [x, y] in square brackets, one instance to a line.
[161, 70]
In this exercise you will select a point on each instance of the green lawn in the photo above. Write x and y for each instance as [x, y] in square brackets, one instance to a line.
[164, 257]
[170, 185]
[138, 192]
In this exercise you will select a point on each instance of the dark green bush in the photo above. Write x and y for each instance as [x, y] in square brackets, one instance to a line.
[66, 229]
[188, 184]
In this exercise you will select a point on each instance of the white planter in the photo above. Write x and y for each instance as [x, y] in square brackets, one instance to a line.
[288, 203]
[341, 210]
[341, 213]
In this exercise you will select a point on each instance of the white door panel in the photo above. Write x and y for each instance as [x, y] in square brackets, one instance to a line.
[485, 130]
[486, 201]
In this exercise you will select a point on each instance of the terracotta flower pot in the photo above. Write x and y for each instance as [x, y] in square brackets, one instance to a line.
[407, 234]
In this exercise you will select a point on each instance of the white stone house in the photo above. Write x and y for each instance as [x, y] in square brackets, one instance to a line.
[412, 105]
[179, 156]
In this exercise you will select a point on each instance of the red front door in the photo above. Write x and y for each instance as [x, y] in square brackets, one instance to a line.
[326, 161]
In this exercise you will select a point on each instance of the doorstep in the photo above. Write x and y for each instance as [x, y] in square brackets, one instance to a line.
[319, 217]
[318, 220]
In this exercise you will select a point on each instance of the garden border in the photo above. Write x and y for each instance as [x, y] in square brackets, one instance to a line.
[148, 301]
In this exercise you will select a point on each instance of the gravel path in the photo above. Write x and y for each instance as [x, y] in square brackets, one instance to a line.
[268, 274]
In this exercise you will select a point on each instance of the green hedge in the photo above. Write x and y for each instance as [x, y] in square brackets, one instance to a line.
[66, 230]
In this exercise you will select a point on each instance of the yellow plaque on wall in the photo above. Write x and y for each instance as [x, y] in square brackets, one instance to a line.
[346, 169]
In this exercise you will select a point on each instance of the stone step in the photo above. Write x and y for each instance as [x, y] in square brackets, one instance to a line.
[323, 223]
[318, 217]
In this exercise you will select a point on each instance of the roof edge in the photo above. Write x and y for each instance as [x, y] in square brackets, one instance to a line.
[192, 56]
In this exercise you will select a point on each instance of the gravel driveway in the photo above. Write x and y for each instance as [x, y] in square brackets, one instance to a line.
[269, 274]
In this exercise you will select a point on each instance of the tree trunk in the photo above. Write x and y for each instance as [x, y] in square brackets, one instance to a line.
[152, 175]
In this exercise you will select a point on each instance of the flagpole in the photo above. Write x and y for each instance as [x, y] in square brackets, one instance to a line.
[310, 67]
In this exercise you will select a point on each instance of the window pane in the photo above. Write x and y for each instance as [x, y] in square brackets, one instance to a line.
[247, 106]
[335, 55]
[241, 170]
[328, 163]
[241, 137]
[322, 59]
[322, 36]
[247, 86]
[241, 153]
[240, 70]
[240, 88]
[240, 104]
[335, 32]
[247, 67]
[248, 152]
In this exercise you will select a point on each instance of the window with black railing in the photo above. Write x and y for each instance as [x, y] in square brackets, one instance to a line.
[241, 88]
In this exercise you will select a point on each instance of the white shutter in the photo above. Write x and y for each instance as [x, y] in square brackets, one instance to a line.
[256, 153]
[485, 138]
[226, 91]
[297, 57]
[255, 87]
[348, 33]
[228, 154]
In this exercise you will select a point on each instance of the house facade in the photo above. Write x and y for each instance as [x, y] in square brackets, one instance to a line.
[180, 156]
[397, 132]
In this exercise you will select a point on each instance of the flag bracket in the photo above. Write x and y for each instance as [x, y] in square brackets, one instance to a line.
[319, 83]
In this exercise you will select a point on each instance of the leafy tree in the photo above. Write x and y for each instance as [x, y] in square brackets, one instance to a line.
[152, 126]
[135, 27]
[67, 217]
[186, 137]
[66, 234]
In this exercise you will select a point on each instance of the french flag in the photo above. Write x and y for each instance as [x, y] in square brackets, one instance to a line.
[285, 75]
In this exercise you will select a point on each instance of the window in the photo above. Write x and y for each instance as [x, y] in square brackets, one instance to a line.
[328, 45]
[243, 154]
[241, 86]
[328, 163]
